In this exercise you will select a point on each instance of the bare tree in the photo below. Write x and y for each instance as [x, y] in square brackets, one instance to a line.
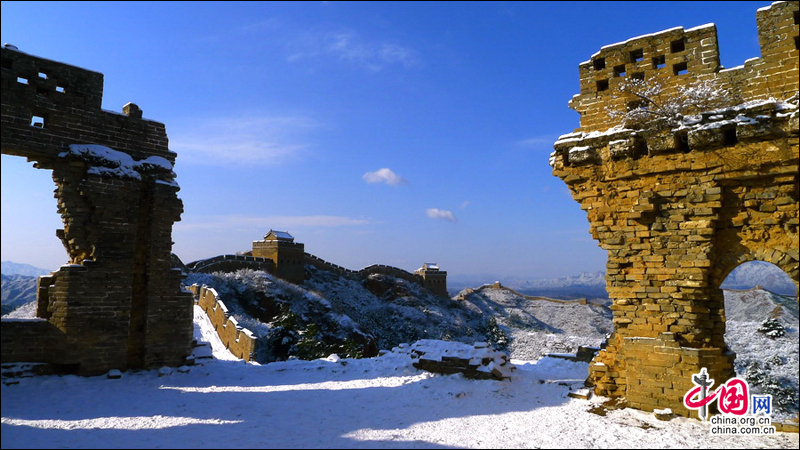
[654, 105]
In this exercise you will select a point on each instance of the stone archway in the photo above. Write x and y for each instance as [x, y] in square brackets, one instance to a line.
[117, 304]
[679, 205]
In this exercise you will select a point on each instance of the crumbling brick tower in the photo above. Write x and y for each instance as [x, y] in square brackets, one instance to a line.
[679, 205]
[118, 304]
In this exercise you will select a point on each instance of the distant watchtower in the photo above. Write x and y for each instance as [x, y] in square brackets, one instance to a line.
[433, 279]
[289, 256]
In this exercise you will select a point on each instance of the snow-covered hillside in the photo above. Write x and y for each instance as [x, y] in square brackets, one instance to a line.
[535, 328]
[389, 311]
[17, 290]
[759, 273]
[769, 364]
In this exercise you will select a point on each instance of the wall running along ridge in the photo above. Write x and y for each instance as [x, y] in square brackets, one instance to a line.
[240, 341]
[433, 280]
[677, 207]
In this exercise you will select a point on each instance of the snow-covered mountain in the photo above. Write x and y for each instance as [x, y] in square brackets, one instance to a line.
[759, 273]
[593, 284]
[768, 361]
[584, 285]
[330, 313]
[534, 328]
[12, 268]
[17, 290]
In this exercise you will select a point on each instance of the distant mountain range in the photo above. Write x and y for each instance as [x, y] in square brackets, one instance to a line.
[758, 273]
[12, 268]
[585, 285]
[19, 284]
[593, 284]
[17, 290]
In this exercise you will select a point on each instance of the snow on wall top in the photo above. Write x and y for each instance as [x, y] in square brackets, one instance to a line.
[106, 161]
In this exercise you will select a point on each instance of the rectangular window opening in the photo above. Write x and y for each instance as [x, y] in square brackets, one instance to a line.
[602, 85]
[619, 71]
[22, 80]
[639, 148]
[680, 69]
[729, 136]
[682, 142]
[797, 42]
[659, 62]
[42, 75]
[637, 55]
[599, 63]
[677, 46]
[797, 17]
[37, 121]
[60, 89]
[637, 76]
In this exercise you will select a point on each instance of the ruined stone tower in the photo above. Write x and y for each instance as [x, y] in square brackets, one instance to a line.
[679, 204]
[117, 303]
[288, 255]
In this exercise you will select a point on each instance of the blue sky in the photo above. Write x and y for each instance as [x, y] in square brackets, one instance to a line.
[388, 132]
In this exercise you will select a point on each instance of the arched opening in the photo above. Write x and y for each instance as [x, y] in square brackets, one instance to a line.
[761, 327]
[28, 229]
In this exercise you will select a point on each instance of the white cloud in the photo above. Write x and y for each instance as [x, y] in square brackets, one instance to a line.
[350, 47]
[384, 175]
[464, 204]
[440, 214]
[259, 140]
[539, 142]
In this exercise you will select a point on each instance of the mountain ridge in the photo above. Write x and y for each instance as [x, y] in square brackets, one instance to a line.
[14, 268]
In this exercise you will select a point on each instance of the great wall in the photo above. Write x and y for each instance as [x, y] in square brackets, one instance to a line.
[678, 207]
[279, 255]
[240, 341]
[118, 303]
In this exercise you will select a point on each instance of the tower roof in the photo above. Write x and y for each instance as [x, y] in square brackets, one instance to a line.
[278, 236]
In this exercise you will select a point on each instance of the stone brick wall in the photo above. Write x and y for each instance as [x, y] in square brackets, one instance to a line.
[231, 263]
[434, 280]
[240, 341]
[31, 340]
[69, 99]
[289, 258]
[118, 302]
[391, 271]
[678, 57]
[373, 269]
[678, 208]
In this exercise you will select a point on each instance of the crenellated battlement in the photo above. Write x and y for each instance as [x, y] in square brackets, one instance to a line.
[677, 58]
[48, 105]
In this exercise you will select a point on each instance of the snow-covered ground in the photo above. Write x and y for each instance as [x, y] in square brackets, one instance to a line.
[380, 402]
[537, 327]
